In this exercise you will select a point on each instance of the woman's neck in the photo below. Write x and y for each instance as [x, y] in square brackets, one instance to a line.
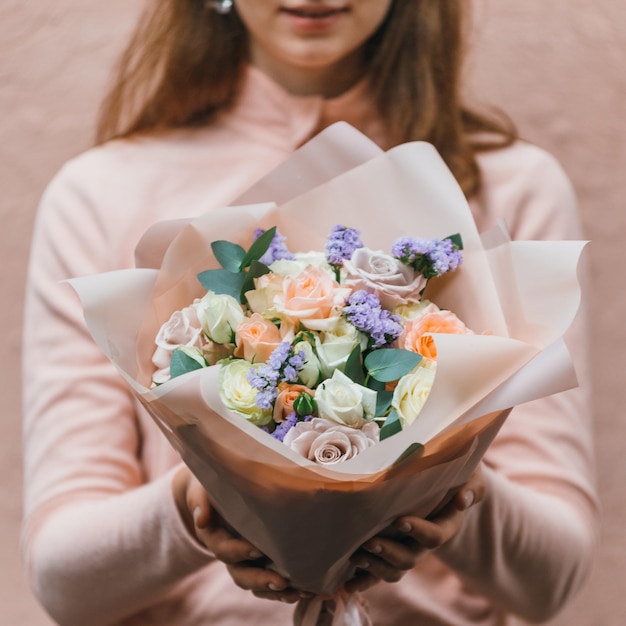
[328, 81]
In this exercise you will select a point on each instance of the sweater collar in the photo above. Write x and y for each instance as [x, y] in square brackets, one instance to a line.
[266, 111]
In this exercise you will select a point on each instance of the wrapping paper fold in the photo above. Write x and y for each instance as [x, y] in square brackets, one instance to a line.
[523, 294]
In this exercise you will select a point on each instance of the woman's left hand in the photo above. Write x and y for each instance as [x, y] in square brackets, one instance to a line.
[391, 554]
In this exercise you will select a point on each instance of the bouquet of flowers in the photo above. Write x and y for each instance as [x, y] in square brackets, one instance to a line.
[376, 355]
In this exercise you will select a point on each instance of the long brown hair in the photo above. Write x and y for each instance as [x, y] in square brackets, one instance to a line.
[185, 62]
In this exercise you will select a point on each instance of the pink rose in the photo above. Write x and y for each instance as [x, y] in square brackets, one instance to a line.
[313, 298]
[326, 442]
[381, 274]
[182, 329]
[256, 339]
[432, 319]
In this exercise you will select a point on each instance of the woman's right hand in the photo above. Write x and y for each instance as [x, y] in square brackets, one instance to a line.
[245, 563]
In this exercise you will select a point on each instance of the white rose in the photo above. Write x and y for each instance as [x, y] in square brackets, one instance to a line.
[411, 310]
[219, 315]
[334, 347]
[412, 391]
[341, 400]
[310, 373]
[376, 272]
[300, 261]
[182, 329]
[327, 442]
[239, 395]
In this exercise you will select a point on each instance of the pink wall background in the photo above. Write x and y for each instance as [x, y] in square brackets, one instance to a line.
[557, 66]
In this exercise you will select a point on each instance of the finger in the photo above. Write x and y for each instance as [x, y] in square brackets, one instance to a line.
[472, 492]
[288, 595]
[400, 555]
[361, 581]
[433, 533]
[198, 503]
[378, 567]
[260, 580]
[226, 548]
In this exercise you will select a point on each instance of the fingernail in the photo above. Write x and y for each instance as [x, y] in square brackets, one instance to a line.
[362, 564]
[254, 554]
[274, 587]
[375, 549]
[284, 599]
[405, 527]
[468, 498]
[305, 594]
[196, 515]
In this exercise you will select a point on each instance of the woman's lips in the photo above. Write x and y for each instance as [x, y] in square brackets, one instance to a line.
[313, 17]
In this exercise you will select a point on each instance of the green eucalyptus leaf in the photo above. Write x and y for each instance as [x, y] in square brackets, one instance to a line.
[383, 402]
[222, 282]
[354, 367]
[259, 247]
[256, 269]
[389, 364]
[456, 239]
[391, 425]
[182, 363]
[229, 255]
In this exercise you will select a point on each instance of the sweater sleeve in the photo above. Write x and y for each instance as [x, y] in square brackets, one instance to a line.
[529, 545]
[99, 543]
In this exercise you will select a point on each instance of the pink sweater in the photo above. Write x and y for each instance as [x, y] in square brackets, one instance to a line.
[102, 540]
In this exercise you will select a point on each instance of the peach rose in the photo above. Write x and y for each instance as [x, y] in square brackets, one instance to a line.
[256, 338]
[312, 298]
[286, 397]
[416, 336]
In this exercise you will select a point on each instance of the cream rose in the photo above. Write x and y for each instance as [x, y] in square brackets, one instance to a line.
[300, 262]
[327, 442]
[256, 339]
[182, 329]
[341, 400]
[381, 274]
[412, 391]
[219, 315]
[239, 395]
[334, 347]
[268, 290]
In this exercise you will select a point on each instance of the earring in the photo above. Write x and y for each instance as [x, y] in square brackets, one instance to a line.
[221, 6]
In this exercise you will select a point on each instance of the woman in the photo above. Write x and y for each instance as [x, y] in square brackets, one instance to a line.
[209, 98]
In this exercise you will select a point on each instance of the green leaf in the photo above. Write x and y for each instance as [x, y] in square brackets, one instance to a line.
[389, 364]
[259, 247]
[182, 364]
[383, 402]
[414, 448]
[391, 426]
[256, 269]
[456, 240]
[354, 367]
[376, 385]
[229, 255]
[222, 282]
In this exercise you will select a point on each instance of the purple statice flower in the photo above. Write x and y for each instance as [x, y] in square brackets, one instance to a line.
[277, 249]
[283, 365]
[364, 311]
[284, 427]
[341, 243]
[429, 257]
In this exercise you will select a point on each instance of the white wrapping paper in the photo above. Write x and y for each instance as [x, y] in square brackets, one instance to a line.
[309, 518]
